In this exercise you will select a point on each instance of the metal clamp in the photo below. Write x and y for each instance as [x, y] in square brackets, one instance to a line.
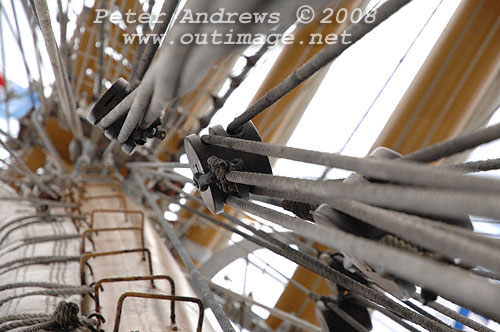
[115, 94]
[199, 152]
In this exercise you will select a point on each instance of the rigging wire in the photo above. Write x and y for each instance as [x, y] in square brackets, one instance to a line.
[314, 265]
[5, 82]
[318, 61]
[389, 79]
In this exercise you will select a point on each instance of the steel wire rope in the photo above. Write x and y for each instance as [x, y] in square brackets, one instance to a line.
[196, 278]
[318, 61]
[326, 272]
[327, 170]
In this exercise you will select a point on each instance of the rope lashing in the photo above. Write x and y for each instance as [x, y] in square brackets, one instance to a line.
[300, 209]
[220, 168]
[64, 318]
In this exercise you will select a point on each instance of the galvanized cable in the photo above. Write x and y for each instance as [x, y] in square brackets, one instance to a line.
[140, 48]
[421, 311]
[39, 260]
[22, 323]
[478, 294]
[358, 125]
[388, 170]
[23, 55]
[394, 317]
[26, 242]
[287, 316]
[423, 232]
[266, 236]
[39, 215]
[355, 325]
[314, 265]
[40, 86]
[169, 8]
[455, 145]
[333, 275]
[318, 61]
[50, 292]
[37, 284]
[9, 318]
[453, 315]
[477, 166]
[167, 165]
[100, 52]
[170, 175]
[38, 201]
[61, 79]
[45, 188]
[196, 278]
[47, 141]
[11, 138]
[486, 274]
[439, 203]
[304, 261]
[219, 102]
[12, 230]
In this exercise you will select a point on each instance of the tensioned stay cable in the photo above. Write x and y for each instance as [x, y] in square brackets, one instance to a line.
[318, 61]
[312, 264]
[389, 79]
[331, 274]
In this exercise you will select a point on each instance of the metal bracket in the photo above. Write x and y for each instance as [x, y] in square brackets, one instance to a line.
[111, 98]
[198, 153]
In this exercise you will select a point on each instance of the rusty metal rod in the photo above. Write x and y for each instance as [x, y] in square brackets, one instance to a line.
[196, 278]
[87, 232]
[98, 287]
[122, 298]
[85, 257]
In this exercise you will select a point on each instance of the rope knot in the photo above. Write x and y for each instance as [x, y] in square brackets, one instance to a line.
[300, 209]
[66, 315]
[220, 168]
